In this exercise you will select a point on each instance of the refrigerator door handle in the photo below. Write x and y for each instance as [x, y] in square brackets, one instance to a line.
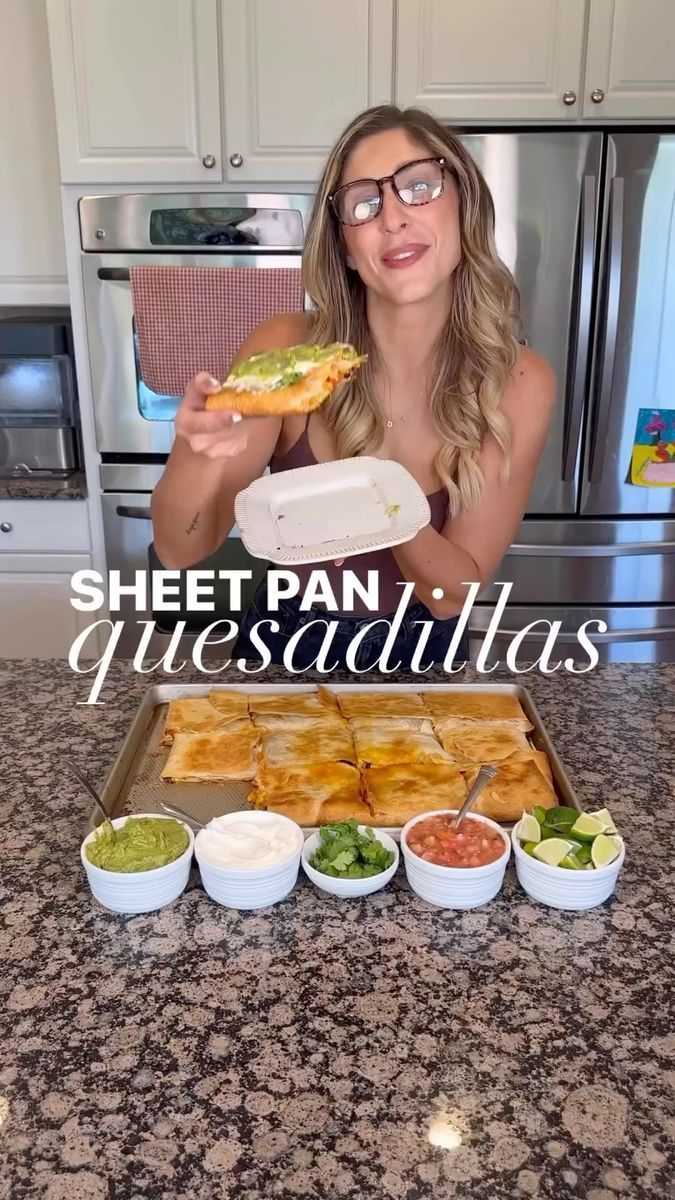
[602, 550]
[577, 378]
[661, 634]
[615, 236]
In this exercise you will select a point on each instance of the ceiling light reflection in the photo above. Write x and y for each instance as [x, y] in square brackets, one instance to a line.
[444, 1132]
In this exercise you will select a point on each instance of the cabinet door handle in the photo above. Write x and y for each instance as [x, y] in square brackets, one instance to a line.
[236, 160]
[6, 526]
[569, 97]
[597, 95]
[209, 160]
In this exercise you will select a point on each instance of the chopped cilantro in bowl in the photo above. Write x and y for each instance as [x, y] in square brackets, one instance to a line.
[344, 852]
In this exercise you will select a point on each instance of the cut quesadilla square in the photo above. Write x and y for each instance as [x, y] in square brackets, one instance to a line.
[474, 743]
[420, 724]
[224, 754]
[476, 706]
[378, 705]
[287, 704]
[233, 705]
[319, 723]
[324, 792]
[193, 715]
[305, 746]
[379, 745]
[397, 793]
[519, 784]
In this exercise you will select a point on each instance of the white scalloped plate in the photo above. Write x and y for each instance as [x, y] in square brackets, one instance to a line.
[331, 510]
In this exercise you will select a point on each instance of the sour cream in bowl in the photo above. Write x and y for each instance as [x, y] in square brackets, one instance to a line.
[249, 859]
[455, 869]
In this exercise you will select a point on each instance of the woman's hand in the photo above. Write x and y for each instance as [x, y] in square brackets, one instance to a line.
[219, 434]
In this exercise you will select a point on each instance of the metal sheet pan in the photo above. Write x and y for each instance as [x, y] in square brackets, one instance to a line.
[134, 783]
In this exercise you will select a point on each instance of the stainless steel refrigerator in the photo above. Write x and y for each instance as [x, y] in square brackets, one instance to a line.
[586, 222]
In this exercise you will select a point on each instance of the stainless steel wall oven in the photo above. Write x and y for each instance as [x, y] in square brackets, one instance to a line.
[133, 424]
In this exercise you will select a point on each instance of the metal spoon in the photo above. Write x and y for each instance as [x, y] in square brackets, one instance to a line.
[171, 811]
[482, 779]
[92, 792]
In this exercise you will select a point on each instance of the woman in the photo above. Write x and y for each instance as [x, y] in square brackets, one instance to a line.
[400, 261]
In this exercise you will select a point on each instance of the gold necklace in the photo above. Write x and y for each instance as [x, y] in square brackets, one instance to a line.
[391, 419]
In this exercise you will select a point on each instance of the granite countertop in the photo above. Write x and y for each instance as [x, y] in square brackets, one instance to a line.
[25, 488]
[320, 1048]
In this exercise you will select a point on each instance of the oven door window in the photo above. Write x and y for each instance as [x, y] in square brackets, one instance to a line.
[232, 556]
[151, 405]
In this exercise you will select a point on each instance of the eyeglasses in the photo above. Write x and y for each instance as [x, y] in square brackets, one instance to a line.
[415, 183]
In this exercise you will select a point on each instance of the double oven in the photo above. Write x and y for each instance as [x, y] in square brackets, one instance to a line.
[133, 424]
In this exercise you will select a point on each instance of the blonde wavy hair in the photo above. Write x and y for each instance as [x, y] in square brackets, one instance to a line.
[478, 349]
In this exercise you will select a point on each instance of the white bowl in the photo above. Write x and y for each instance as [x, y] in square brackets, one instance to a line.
[560, 888]
[139, 891]
[251, 887]
[347, 888]
[454, 887]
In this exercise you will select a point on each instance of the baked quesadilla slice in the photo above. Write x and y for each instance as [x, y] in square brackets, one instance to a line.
[295, 380]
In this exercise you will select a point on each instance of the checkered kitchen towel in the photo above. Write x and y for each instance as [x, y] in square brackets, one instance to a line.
[191, 319]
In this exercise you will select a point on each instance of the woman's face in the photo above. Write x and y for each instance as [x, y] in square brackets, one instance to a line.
[407, 253]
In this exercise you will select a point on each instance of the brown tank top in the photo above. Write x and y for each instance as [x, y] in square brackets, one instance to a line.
[383, 561]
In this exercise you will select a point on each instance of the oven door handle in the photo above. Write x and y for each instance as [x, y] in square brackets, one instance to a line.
[134, 512]
[115, 274]
[588, 550]
[661, 633]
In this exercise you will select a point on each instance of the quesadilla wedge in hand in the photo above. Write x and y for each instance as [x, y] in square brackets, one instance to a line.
[295, 380]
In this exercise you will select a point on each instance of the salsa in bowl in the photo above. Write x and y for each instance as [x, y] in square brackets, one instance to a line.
[454, 868]
[474, 844]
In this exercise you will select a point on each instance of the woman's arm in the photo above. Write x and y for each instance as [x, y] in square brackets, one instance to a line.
[214, 458]
[473, 544]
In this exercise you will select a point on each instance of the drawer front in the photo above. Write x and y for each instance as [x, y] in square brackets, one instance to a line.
[44, 526]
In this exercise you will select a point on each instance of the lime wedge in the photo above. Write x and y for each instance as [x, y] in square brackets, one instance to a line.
[604, 816]
[529, 829]
[586, 828]
[539, 813]
[552, 851]
[530, 847]
[573, 843]
[560, 818]
[584, 853]
[572, 862]
[605, 849]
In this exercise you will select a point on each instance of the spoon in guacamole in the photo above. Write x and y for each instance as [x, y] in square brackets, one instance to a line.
[93, 793]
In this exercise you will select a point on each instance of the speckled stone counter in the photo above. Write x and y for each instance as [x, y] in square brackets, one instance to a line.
[72, 488]
[321, 1048]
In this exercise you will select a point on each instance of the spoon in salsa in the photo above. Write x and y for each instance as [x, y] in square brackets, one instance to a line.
[482, 779]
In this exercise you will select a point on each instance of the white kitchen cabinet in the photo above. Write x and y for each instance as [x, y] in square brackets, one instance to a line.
[630, 64]
[294, 74]
[52, 526]
[33, 257]
[137, 90]
[42, 543]
[491, 60]
[37, 619]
